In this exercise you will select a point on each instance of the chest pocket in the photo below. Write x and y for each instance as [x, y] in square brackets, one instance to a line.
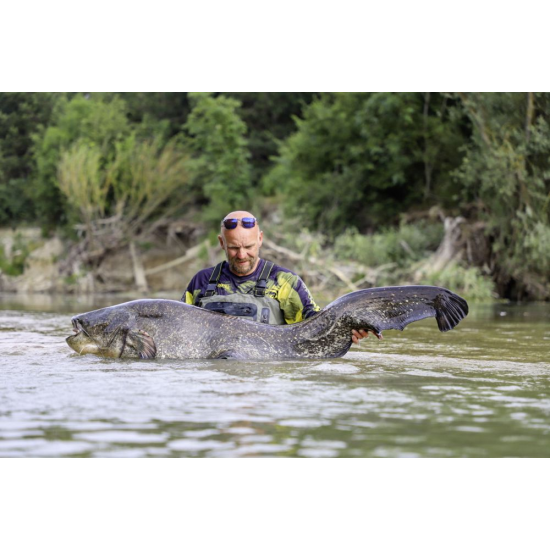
[231, 308]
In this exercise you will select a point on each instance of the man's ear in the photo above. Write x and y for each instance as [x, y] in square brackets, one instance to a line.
[260, 239]
[222, 244]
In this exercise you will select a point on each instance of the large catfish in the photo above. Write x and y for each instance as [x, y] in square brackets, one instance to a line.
[169, 329]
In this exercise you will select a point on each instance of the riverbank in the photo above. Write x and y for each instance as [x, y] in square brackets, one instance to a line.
[162, 265]
[34, 264]
[445, 252]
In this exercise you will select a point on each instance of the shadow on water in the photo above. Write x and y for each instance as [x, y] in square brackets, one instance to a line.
[481, 390]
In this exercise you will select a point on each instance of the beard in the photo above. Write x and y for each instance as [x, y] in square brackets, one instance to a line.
[242, 268]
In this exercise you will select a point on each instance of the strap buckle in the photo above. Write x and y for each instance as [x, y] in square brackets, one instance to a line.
[261, 284]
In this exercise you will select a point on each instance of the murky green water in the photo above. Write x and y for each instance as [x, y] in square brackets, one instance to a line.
[482, 390]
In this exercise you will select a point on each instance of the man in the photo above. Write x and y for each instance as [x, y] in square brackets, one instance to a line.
[248, 286]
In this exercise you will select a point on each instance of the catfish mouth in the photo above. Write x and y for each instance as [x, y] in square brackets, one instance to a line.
[78, 330]
[78, 327]
[81, 341]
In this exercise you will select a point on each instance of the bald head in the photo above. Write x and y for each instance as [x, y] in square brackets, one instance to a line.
[237, 215]
[241, 245]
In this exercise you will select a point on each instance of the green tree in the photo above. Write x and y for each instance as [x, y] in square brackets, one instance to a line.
[83, 183]
[359, 159]
[21, 115]
[149, 181]
[219, 167]
[146, 180]
[157, 113]
[506, 173]
[98, 122]
[269, 117]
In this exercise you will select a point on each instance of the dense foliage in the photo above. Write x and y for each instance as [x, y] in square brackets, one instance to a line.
[506, 171]
[21, 116]
[359, 160]
[219, 167]
[352, 166]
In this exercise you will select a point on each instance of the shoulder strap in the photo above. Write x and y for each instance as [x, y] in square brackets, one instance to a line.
[259, 289]
[213, 282]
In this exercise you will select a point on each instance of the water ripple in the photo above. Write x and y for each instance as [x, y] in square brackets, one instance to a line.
[410, 395]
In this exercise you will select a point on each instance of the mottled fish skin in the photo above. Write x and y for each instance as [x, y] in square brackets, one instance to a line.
[170, 329]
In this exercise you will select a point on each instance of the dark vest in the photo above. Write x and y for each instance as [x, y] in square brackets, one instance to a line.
[254, 305]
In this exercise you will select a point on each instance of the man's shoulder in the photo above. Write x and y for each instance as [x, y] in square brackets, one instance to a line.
[286, 278]
[280, 269]
[205, 271]
[201, 277]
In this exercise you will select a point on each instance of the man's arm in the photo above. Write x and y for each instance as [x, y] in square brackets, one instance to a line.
[309, 307]
[294, 298]
[187, 297]
[194, 288]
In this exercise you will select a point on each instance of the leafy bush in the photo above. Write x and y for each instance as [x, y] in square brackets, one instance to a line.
[98, 123]
[359, 159]
[82, 181]
[145, 180]
[149, 180]
[466, 281]
[402, 246]
[16, 263]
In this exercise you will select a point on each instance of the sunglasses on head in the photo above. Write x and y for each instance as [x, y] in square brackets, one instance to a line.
[231, 223]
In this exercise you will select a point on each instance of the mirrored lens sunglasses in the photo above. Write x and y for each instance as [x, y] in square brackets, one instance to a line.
[231, 223]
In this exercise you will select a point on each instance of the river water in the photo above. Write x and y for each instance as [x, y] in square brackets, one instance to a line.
[481, 390]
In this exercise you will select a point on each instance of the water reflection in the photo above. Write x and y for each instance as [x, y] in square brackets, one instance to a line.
[481, 390]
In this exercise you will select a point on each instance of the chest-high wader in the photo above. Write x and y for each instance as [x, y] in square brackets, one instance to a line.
[254, 305]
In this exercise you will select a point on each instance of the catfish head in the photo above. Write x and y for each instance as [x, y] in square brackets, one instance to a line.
[111, 332]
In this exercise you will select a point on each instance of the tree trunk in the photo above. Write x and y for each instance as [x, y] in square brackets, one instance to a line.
[139, 272]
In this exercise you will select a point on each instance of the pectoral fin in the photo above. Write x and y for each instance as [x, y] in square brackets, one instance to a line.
[142, 343]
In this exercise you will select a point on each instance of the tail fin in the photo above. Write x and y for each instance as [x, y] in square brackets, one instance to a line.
[395, 307]
[450, 310]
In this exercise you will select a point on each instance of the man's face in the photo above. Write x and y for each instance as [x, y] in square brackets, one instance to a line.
[242, 248]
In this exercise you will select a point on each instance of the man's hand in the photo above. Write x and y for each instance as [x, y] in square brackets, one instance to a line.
[357, 335]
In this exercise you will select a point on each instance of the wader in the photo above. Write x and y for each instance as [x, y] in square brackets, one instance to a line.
[254, 305]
